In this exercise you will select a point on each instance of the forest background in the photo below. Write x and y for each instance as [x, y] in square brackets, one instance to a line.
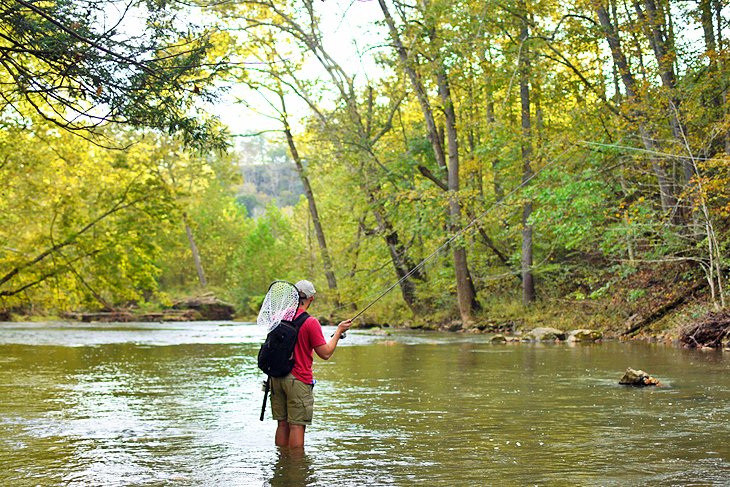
[506, 163]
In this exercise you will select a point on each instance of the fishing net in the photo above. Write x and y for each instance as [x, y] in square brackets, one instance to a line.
[281, 303]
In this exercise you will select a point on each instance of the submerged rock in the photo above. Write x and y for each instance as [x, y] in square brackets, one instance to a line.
[637, 378]
[546, 334]
[584, 335]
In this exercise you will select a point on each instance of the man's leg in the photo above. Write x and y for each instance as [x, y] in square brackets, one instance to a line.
[299, 407]
[296, 435]
[282, 434]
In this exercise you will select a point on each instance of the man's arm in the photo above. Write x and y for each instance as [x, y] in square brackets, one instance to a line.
[325, 351]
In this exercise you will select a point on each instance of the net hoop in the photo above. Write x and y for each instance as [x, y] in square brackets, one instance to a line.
[281, 303]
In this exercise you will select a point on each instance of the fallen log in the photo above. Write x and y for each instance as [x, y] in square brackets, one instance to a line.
[108, 317]
[637, 322]
[126, 316]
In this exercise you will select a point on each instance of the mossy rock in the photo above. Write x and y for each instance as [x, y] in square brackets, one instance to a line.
[584, 335]
[542, 334]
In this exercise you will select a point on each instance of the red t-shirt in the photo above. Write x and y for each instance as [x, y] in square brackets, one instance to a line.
[310, 336]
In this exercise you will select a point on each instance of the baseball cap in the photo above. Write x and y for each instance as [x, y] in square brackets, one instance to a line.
[306, 288]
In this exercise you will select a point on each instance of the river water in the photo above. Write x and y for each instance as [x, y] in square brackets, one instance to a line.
[179, 404]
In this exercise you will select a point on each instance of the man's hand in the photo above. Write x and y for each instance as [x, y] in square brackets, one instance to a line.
[325, 351]
[344, 326]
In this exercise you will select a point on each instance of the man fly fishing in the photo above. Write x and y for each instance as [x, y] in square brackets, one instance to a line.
[292, 397]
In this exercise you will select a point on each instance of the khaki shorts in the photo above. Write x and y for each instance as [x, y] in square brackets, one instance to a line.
[292, 400]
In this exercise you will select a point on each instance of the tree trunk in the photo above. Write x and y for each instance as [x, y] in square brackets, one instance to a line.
[417, 85]
[309, 194]
[310, 36]
[318, 231]
[708, 28]
[528, 283]
[195, 252]
[614, 69]
[666, 193]
[466, 295]
[401, 264]
[656, 31]
[465, 292]
[718, 6]
[491, 122]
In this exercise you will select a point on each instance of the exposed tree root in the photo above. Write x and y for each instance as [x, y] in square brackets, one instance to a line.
[709, 331]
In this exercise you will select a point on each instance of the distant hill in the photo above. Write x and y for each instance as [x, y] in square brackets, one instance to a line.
[268, 174]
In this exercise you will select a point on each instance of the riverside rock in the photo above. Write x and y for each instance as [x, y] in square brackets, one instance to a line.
[637, 378]
[541, 334]
[584, 335]
[209, 307]
[453, 326]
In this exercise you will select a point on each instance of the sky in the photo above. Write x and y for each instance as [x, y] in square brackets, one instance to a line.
[347, 25]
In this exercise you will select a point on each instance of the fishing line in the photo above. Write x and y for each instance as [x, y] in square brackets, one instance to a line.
[470, 225]
[648, 151]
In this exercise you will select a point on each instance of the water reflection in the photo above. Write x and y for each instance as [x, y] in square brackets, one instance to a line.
[292, 468]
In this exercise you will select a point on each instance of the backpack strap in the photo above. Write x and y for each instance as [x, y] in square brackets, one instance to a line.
[299, 320]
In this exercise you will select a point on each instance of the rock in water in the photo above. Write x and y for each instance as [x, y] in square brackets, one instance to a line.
[498, 339]
[584, 335]
[546, 334]
[637, 378]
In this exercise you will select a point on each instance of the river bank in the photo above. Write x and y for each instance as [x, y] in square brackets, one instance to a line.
[695, 327]
[654, 304]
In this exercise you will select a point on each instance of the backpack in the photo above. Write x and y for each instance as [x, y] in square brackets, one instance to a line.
[276, 356]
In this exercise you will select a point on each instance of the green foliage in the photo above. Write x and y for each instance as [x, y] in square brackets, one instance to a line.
[571, 210]
[83, 226]
[626, 165]
[635, 294]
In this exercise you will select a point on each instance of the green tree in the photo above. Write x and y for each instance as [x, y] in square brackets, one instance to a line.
[84, 64]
